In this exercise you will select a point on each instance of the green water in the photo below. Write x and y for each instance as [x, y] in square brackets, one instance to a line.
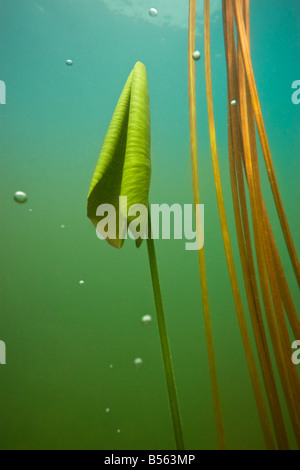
[62, 336]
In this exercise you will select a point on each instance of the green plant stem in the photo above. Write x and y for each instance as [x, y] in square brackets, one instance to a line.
[166, 353]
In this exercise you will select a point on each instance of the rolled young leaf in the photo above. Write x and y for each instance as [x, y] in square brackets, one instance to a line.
[123, 170]
[124, 167]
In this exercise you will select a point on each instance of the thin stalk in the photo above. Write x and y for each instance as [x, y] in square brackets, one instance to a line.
[166, 353]
[227, 245]
[246, 252]
[201, 257]
[278, 285]
[263, 137]
[281, 279]
[278, 329]
[262, 251]
[274, 283]
[282, 283]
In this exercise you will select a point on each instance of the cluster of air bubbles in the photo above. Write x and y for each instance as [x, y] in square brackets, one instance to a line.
[138, 362]
[233, 102]
[153, 12]
[20, 197]
[69, 62]
[146, 320]
[196, 55]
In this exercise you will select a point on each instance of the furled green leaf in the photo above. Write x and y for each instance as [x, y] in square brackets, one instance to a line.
[124, 167]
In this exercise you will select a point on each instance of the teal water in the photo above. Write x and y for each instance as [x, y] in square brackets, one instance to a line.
[62, 336]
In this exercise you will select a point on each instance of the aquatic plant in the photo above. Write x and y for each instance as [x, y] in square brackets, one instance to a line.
[124, 170]
[201, 257]
[244, 113]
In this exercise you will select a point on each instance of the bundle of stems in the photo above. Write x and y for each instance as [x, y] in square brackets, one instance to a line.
[201, 257]
[244, 116]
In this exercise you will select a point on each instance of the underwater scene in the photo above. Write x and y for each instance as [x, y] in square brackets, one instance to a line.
[149, 207]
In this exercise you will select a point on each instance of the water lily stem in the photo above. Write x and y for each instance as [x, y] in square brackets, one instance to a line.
[166, 353]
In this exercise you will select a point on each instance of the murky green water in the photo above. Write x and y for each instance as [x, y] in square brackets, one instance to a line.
[71, 345]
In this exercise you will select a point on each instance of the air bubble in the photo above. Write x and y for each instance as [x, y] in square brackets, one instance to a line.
[153, 12]
[138, 362]
[196, 55]
[233, 102]
[146, 319]
[20, 197]
[69, 62]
